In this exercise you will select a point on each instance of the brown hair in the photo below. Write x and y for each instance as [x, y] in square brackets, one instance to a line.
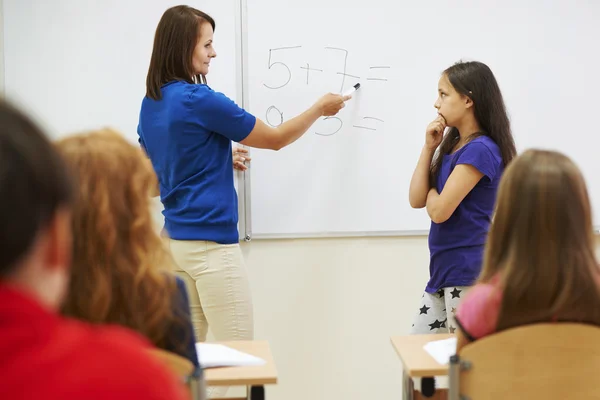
[174, 42]
[34, 185]
[119, 260]
[541, 243]
[476, 80]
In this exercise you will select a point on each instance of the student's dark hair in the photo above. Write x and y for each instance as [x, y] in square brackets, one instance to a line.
[174, 42]
[34, 184]
[476, 81]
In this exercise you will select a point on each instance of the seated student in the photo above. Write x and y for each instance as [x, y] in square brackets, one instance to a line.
[43, 355]
[120, 265]
[539, 261]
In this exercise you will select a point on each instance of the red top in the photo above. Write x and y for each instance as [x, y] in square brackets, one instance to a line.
[46, 356]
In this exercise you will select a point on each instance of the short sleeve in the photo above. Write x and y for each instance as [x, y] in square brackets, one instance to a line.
[477, 314]
[217, 113]
[480, 156]
[141, 140]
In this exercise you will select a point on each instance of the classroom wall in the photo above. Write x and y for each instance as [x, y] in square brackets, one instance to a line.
[328, 308]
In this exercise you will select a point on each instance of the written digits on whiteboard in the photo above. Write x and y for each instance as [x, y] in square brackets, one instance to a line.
[284, 68]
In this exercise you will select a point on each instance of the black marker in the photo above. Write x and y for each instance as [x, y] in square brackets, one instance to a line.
[351, 90]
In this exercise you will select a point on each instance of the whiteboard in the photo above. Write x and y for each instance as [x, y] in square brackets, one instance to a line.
[79, 65]
[351, 175]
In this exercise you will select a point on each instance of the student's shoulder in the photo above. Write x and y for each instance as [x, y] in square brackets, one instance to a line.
[484, 143]
[119, 360]
[477, 314]
[480, 299]
[117, 344]
[115, 336]
[481, 292]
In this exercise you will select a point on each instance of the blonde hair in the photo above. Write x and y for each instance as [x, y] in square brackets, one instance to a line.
[119, 260]
[541, 243]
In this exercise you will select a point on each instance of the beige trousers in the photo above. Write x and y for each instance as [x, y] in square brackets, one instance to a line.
[218, 290]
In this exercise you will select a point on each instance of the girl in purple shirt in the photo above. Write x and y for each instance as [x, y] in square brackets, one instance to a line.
[456, 179]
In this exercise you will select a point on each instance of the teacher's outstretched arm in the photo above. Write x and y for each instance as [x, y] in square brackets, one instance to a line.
[266, 137]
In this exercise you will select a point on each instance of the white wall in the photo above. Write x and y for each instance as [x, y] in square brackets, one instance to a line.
[328, 308]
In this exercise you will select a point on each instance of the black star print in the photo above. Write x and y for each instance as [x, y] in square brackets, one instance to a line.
[435, 325]
[443, 323]
[455, 293]
[440, 293]
[424, 310]
[452, 329]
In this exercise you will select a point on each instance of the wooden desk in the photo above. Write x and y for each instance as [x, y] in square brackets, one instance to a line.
[417, 363]
[254, 378]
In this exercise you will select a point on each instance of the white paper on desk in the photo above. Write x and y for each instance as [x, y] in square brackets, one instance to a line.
[216, 355]
[441, 350]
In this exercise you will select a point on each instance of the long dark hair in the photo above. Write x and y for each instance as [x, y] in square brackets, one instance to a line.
[174, 42]
[476, 81]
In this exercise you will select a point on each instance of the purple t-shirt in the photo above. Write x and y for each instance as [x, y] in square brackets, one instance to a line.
[456, 245]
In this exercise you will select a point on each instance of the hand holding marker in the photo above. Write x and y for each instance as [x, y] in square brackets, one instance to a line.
[351, 90]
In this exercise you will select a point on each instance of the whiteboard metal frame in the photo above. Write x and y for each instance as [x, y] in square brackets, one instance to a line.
[2, 90]
[332, 235]
[244, 190]
[341, 235]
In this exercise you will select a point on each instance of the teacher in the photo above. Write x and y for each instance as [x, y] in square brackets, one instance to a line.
[186, 129]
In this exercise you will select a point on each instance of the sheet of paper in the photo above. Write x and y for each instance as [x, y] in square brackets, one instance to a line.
[216, 355]
[441, 350]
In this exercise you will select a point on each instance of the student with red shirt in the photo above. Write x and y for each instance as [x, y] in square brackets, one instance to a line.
[539, 263]
[45, 356]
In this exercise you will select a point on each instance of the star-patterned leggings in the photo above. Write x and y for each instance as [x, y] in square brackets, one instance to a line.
[436, 312]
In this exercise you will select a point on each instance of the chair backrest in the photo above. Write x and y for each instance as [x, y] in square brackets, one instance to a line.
[183, 368]
[541, 361]
[179, 365]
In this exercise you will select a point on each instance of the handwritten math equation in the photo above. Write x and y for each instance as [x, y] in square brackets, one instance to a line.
[306, 72]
